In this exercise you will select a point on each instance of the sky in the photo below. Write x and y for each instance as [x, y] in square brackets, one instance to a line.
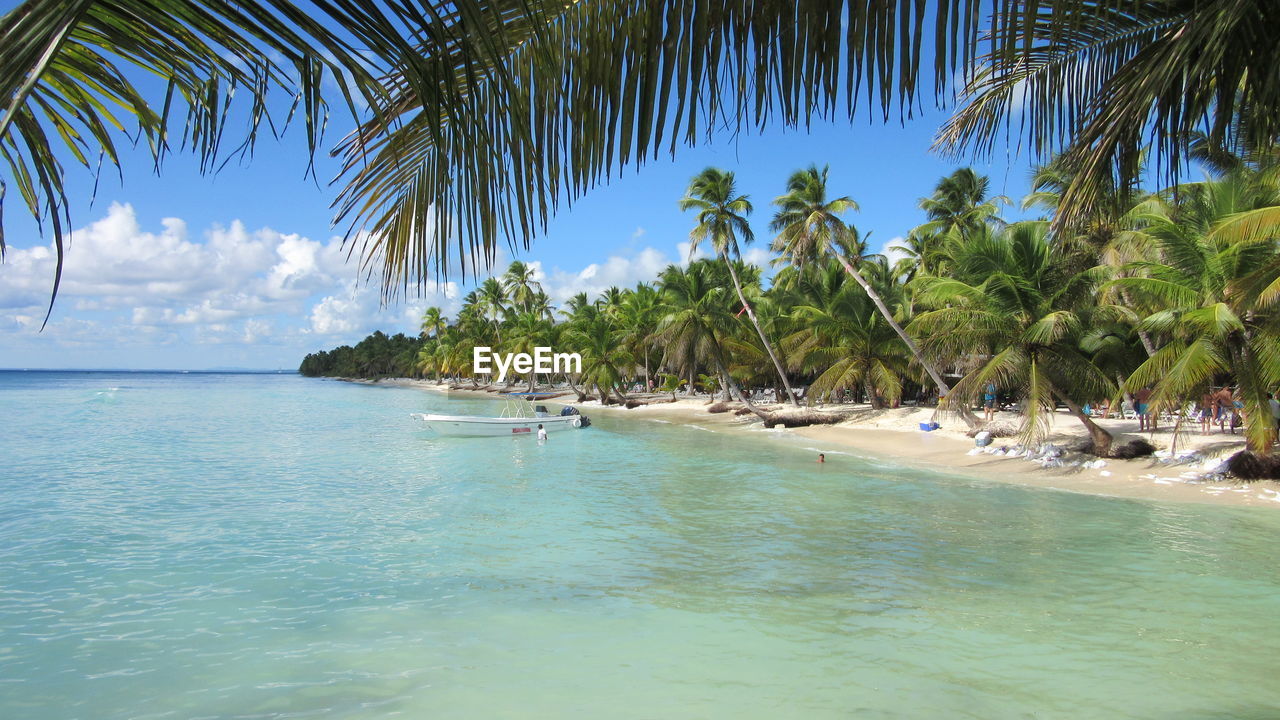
[243, 269]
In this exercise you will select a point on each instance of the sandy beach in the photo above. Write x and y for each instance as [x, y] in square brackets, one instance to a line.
[1181, 472]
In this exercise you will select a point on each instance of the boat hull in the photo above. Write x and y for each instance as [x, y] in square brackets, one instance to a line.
[462, 426]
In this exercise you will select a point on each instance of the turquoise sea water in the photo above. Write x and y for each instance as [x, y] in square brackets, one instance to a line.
[260, 546]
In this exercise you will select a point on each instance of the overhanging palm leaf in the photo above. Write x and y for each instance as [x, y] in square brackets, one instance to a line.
[68, 74]
[496, 111]
[1096, 77]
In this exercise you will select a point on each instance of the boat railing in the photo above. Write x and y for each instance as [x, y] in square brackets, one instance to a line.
[517, 407]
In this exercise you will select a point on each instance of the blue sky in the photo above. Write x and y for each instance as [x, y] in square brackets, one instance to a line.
[243, 269]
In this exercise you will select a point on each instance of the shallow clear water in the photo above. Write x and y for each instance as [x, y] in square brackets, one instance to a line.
[241, 546]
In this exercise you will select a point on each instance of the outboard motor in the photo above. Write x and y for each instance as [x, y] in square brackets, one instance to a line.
[568, 410]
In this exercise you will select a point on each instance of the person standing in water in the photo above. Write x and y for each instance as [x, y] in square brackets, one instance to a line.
[542, 433]
[822, 457]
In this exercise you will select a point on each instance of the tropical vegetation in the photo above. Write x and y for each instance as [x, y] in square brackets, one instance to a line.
[1172, 292]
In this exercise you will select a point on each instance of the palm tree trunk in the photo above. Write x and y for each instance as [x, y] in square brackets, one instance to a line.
[943, 389]
[582, 394]
[759, 331]
[1100, 437]
[1147, 345]
[733, 386]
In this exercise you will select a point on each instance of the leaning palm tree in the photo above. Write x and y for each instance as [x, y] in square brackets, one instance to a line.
[809, 227]
[1015, 307]
[722, 222]
[843, 339]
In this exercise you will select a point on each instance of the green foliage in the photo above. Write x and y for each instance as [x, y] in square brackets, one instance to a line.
[376, 356]
[1176, 290]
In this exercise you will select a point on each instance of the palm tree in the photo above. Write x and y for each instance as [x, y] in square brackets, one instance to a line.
[610, 301]
[528, 330]
[958, 210]
[575, 304]
[1095, 78]
[960, 205]
[433, 321]
[1105, 235]
[1209, 297]
[809, 227]
[844, 339]
[699, 317]
[605, 358]
[722, 221]
[491, 297]
[1015, 307]
[638, 316]
[519, 284]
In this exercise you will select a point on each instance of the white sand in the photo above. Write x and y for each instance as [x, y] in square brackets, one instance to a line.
[895, 435]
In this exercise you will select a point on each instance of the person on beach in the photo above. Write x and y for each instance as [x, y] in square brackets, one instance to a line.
[1206, 413]
[542, 433]
[1274, 404]
[1142, 405]
[1222, 403]
[1237, 411]
[989, 402]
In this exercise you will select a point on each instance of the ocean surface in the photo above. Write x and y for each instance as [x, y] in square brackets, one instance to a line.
[271, 546]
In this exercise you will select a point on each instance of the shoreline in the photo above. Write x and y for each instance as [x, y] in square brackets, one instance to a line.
[894, 436]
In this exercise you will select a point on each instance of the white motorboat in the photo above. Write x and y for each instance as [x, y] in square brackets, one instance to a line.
[520, 417]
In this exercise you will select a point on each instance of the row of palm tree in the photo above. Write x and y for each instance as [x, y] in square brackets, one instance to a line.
[1173, 290]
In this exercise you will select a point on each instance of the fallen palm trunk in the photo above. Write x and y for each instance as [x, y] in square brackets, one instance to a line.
[791, 417]
[635, 403]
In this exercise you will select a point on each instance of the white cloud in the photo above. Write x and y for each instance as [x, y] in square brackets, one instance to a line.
[336, 314]
[618, 270]
[683, 257]
[894, 250]
[759, 256]
[231, 285]
[355, 311]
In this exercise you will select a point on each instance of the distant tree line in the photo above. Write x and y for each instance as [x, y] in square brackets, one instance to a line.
[376, 356]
